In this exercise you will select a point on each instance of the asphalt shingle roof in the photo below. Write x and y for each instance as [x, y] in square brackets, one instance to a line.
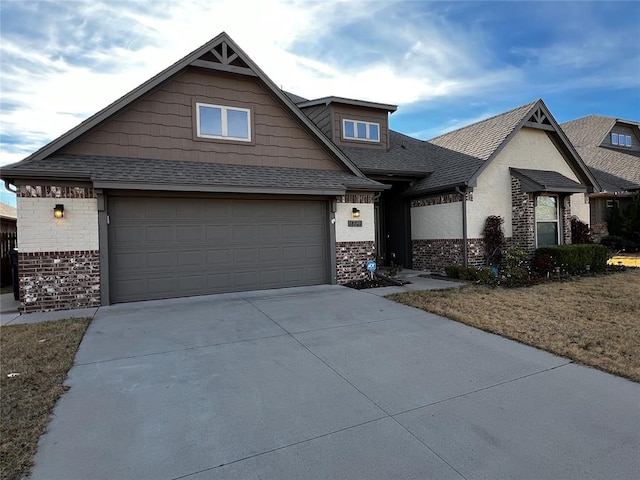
[616, 170]
[546, 179]
[481, 139]
[152, 171]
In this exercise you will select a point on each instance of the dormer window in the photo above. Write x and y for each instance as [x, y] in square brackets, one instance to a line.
[620, 140]
[357, 130]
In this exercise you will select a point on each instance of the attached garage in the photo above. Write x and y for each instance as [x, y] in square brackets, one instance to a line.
[163, 247]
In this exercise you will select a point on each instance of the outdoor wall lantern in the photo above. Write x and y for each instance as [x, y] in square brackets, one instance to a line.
[58, 210]
[355, 213]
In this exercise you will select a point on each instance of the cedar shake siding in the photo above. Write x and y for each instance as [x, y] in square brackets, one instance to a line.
[161, 126]
[348, 112]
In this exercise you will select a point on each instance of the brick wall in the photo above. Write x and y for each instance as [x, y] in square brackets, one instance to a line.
[435, 254]
[566, 220]
[59, 280]
[522, 217]
[352, 258]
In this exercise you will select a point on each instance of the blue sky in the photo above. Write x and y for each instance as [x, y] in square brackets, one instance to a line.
[445, 64]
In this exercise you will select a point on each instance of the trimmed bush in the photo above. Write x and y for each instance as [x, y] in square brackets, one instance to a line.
[474, 274]
[618, 243]
[573, 259]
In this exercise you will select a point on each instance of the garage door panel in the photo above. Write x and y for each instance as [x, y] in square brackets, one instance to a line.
[194, 257]
[220, 258]
[161, 285]
[190, 233]
[219, 233]
[245, 234]
[201, 246]
[270, 255]
[246, 256]
[219, 281]
[161, 259]
[313, 252]
[160, 234]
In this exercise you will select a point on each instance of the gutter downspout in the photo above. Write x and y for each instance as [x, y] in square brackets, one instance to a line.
[464, 226]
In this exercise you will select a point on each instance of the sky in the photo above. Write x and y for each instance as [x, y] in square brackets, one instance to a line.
[445, 64]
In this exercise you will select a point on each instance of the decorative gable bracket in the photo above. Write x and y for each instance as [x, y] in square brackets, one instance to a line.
[540, 121]
[222, 57]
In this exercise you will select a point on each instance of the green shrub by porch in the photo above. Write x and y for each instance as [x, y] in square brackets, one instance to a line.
[574, 258]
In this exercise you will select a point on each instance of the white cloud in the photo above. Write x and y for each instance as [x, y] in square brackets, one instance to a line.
[74, 58]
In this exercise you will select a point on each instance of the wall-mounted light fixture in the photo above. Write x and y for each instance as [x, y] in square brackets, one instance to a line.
[355, 213]
[58, 210]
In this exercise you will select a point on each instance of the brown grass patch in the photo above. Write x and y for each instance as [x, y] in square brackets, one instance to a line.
[42, 353]
[594, 321]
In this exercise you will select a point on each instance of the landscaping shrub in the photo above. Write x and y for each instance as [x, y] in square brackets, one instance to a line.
[474, 274]
[617, 243]
[494, 239]
[580, 231]
[573, 259]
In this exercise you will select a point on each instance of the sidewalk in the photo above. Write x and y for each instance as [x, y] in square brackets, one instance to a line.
[9, 314]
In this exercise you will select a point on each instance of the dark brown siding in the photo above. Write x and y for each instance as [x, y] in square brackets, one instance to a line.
[161, 125]
[635, 142]
[349, 112]
[321, 116]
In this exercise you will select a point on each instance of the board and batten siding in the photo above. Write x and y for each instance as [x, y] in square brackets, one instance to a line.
[161, 125]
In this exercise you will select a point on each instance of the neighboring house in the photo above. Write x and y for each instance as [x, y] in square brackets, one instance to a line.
[611, 149]
[8, 216]
[208, 178]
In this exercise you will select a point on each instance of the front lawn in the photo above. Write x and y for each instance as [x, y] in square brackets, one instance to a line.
[35, 360]
[594, 320]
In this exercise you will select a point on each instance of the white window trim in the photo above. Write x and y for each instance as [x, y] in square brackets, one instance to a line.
[224, 109]
[557, 221]
[622, 140]
[355, 130]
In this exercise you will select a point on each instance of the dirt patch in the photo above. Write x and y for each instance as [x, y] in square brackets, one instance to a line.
[593, 320]
[369, 283]
[35, 361]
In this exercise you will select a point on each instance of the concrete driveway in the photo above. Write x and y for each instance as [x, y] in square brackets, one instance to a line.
[327, 382]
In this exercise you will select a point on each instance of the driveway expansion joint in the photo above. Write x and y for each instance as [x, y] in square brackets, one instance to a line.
[164, 352]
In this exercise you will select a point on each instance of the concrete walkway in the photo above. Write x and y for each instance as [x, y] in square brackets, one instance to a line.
[327, 382]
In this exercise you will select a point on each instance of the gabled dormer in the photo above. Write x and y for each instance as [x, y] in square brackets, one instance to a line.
[352, 123]
[624, 135]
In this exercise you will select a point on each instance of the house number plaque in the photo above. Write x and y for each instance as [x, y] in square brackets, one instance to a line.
[354, 223]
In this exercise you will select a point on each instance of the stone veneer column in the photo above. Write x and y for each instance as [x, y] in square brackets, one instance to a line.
[58, 259]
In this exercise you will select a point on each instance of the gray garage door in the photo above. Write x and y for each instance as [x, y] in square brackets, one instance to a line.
[177, 247]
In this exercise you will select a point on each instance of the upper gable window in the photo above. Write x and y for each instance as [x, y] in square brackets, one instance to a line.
[620, 140]
[227, 123]
[365, 131]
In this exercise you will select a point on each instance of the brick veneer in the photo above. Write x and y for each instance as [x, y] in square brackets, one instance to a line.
[48, 191]
[522, 217]
[59, 280]
[435, 254]
[351, 260]
[566, 219]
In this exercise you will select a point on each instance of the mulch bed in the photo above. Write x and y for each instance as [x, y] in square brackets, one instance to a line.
[369, 283]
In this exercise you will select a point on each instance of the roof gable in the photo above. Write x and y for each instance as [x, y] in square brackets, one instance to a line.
[616, 168]
[485, 139]
[220, 54]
